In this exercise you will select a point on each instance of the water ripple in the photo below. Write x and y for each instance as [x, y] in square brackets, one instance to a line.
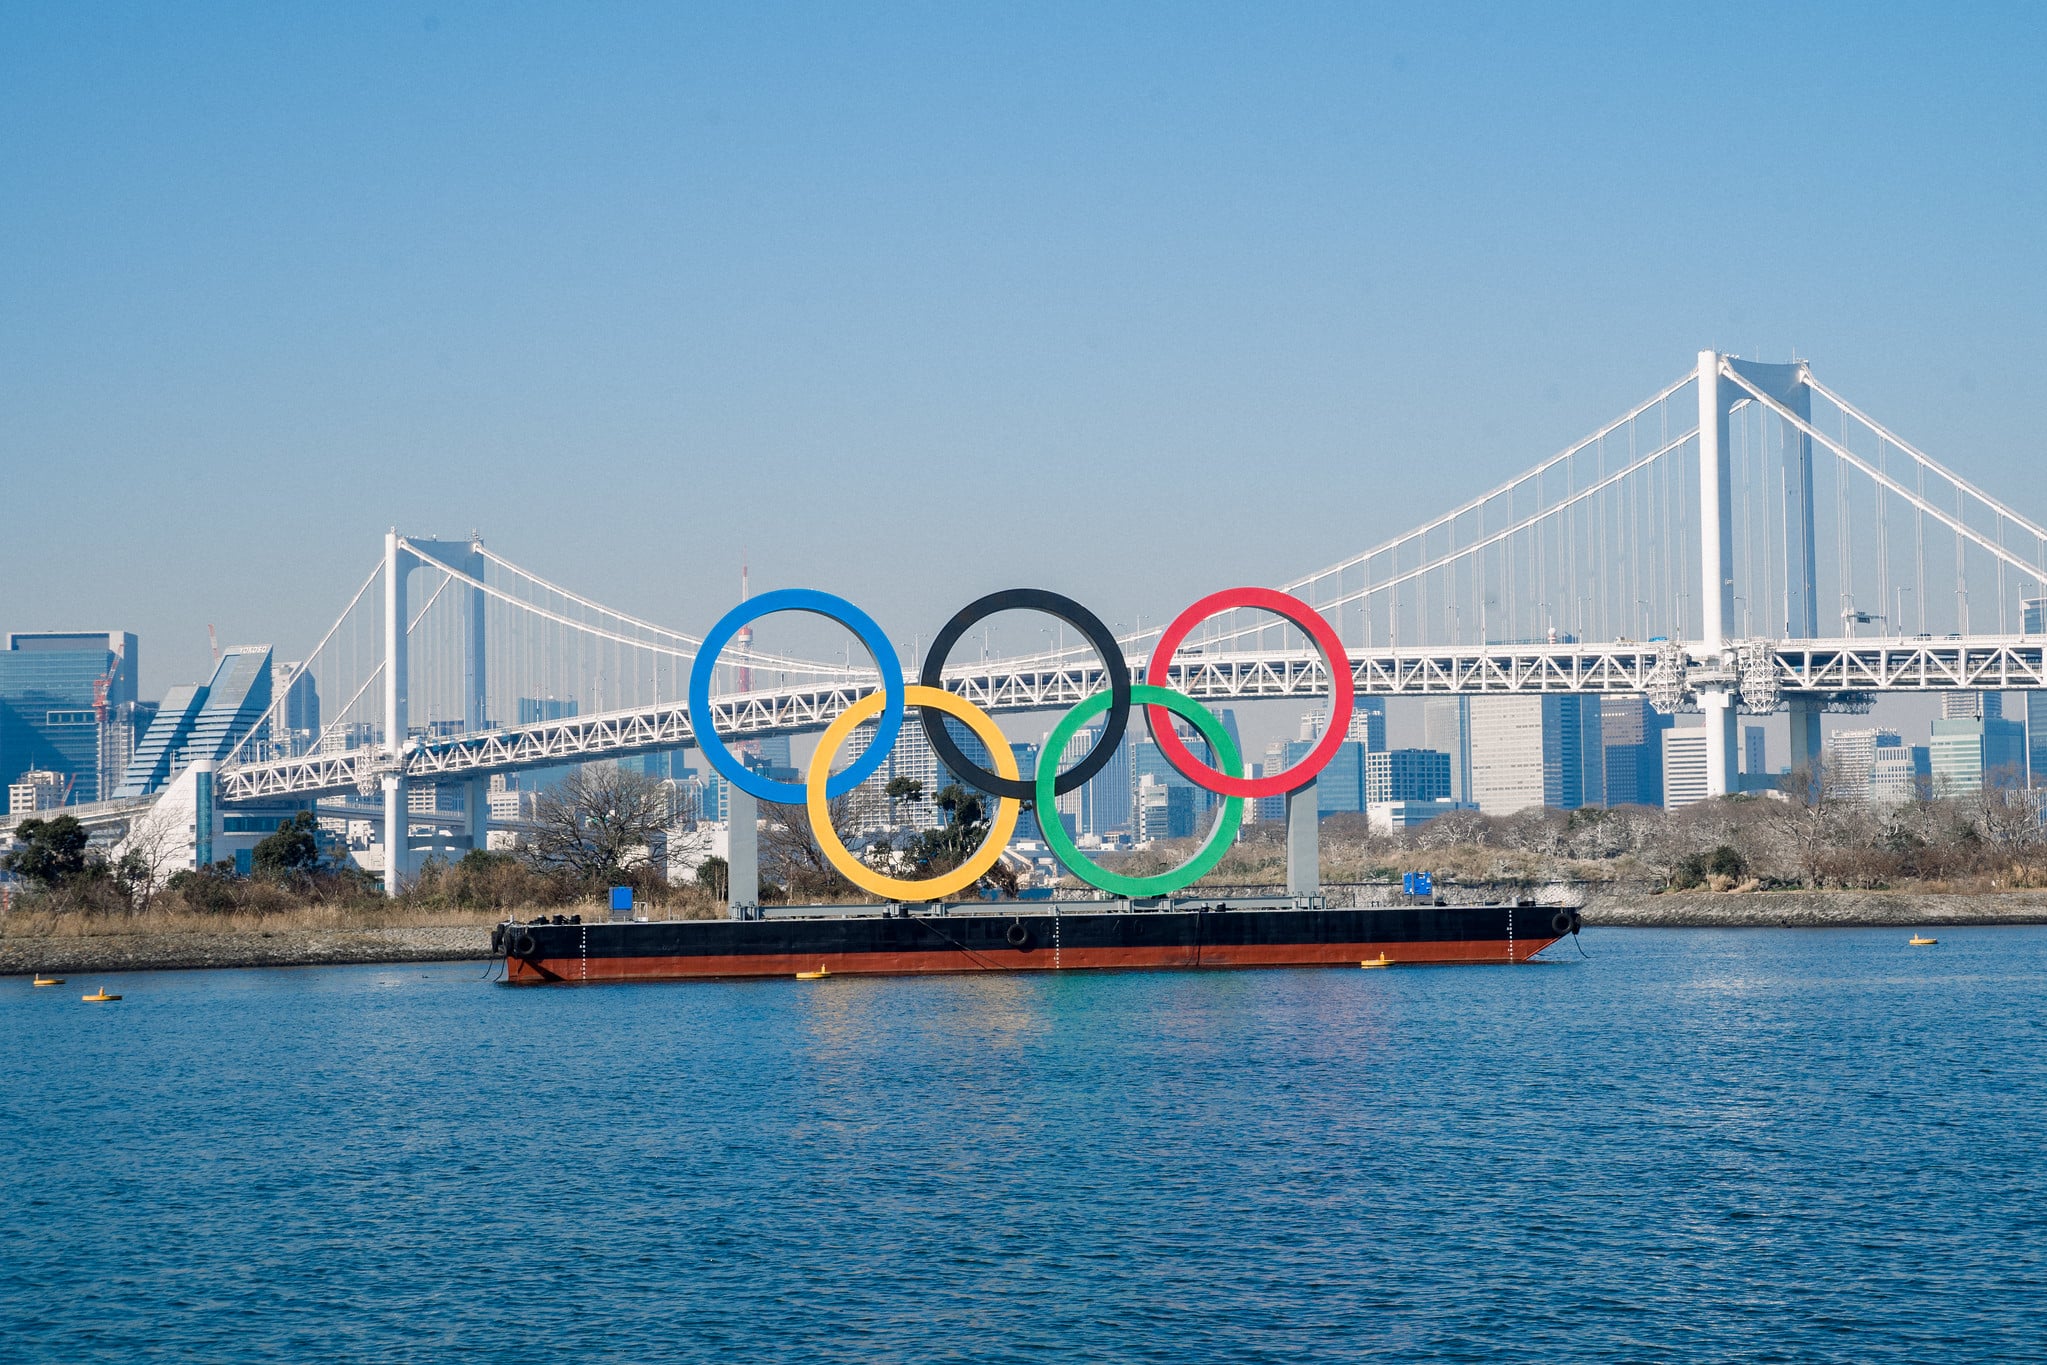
[1753, 1146]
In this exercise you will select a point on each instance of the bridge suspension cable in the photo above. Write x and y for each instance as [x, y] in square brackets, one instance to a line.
[1601, 541]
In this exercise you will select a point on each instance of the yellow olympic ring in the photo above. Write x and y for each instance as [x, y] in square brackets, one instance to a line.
[866, 878]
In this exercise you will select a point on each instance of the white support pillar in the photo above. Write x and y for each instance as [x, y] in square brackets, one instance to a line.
[397, 834]
[1716, 564]
[476, 706]
[397, 819]
[476, 811]
[1723, 761]
[476, 701]
[1806, 733]
[742, 853]
[1716, 509]
[1303, 842]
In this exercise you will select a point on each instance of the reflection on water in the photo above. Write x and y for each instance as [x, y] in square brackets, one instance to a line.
[1693, 1145]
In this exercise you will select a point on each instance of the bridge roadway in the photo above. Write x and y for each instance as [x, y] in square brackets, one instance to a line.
[1766, 672]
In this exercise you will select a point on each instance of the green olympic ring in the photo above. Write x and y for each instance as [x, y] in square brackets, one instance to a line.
[1219, 838]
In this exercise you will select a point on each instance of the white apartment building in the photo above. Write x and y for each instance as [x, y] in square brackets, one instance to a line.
[1684, 766]
[1535, 750]
[35, 790]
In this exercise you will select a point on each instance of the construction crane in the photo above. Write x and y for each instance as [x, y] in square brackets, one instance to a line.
[102, 736]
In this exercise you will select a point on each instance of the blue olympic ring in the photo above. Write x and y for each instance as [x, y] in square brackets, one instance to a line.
[836, 609]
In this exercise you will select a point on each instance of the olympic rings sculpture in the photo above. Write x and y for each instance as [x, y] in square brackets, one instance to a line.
[1010, 787]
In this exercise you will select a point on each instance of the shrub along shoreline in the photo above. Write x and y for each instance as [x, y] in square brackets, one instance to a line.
[1802, 859]
[80, 944]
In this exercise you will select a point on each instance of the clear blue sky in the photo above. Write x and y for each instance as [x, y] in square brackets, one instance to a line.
[916, 302]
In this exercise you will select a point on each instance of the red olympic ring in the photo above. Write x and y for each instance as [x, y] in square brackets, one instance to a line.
[1343, 691]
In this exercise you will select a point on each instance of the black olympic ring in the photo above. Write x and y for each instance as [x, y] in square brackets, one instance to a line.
[1081, 619]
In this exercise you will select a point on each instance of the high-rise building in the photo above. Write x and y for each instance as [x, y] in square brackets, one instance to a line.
[1877, 766]
[207, 721]
[774, 749]
[295, 725]
[1536, 750]
[59, 691]
[1273, 808]
[1900, 773]
[1407, 775]
[1368, 724]
[1162, 811]
[1340, 786]
[236, 698]
[1591, 749]
[36, 790]
[1972, 706]
[1684, 766]
[1631, 747]
[1446, 728]
[1105, 807]
[1966, 754]
[1854, 755]
[712, 797]
[1147, 760]
[1755, 770]
[912, 757]
[434, 798]
[1229, 719]
[1026, 756]
[660, 765]
[508, 802]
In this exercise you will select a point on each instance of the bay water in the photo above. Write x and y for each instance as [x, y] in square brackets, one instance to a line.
[1681, 1145]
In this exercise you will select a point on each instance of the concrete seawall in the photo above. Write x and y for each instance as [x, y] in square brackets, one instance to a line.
[1812, 909]
[1600, 908]
[1635, 905]
[284, 948]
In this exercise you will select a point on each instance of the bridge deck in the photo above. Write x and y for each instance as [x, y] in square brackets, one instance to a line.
[1822, 667]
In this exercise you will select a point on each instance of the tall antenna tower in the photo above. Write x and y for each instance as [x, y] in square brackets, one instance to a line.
[745, 637]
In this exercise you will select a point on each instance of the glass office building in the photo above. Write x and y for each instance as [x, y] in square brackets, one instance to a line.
[59, 693]
[205, 721]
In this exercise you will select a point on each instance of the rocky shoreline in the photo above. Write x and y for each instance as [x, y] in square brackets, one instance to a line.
[1811, 909]
[284, 948]
[143, 952]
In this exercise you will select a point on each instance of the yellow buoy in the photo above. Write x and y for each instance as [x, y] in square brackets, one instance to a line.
[1917, 942]
[818, 975]
[1380, 961]
[49, 980]
[99, 999]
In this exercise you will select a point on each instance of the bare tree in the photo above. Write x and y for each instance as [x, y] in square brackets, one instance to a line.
[1809, 819]
[143, 857]
[598, 824]
[790, 854]
[2007, 813]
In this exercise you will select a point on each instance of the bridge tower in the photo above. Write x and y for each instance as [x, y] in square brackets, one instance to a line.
[1789, 385]
[397, 816]
[401, 557]
[1716, 573]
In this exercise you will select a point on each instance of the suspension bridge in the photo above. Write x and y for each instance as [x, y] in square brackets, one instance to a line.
[1683, 552]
